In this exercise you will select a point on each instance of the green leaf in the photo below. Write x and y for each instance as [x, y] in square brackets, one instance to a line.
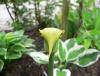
[97, 45]
[1, 65]
[39, 57]
[46, 48]
[88, 58]
[14, 37]
[16, 33]
[11, 38]
[62, 50]
[79, 38]
[94, 32]
[18, 48]
[90, 2]
[40, 0]
[3, 40]
[87, 43]
[97, 23]
[3, 51]
[16, 25]
[78, 1]
[75, 52]
[64, 72]
[28, 43]
[70, 43]
[13, 55]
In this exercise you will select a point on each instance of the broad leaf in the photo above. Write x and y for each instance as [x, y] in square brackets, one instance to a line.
[70, 43]
[3, 51]
[18, 48]
[88, 58]
[13, 55]
[16, 33]
[28, 43]
[3, 40]
[39, 57]
[62, 50]
[75, 52]
[64, 72]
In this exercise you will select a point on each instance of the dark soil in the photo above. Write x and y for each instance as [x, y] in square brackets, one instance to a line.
[25, 66]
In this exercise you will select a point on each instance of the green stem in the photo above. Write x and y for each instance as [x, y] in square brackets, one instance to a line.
[51, 64]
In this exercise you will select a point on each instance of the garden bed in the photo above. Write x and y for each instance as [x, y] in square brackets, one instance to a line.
[25, 66]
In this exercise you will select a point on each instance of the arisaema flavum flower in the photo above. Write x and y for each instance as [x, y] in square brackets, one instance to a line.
[51, 35]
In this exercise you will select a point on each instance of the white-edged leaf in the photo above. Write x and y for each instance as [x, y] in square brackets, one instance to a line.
[62, 50]
[1, 65]
[70, 43]
[64, 72]
[39, 57]
[75, 52]
[88, 58]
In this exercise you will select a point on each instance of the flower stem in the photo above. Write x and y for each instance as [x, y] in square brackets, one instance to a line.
[51, 64]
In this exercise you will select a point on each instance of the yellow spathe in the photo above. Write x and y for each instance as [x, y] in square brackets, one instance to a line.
[51, 35]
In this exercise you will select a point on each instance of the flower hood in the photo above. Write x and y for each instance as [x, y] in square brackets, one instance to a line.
[51, 35]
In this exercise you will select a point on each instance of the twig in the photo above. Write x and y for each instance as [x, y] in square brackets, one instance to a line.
[9, 11]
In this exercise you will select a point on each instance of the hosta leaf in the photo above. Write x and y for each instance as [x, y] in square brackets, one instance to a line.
[64, 72]
[28, 43]
[39, 57]
[13, 55]
[1, 65]
[3, 40]
[75, 52]
[18, 48]
[16, 33]
[3, 51]
[70, 43]
[14, 37]
[2, 35]
[88, 58]
[62, 50]
[11, 38]
[15, 40]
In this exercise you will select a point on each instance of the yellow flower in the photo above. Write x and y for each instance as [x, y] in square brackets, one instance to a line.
[51, 35]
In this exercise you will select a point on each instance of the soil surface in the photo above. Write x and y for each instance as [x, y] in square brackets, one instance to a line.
[25, 66]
